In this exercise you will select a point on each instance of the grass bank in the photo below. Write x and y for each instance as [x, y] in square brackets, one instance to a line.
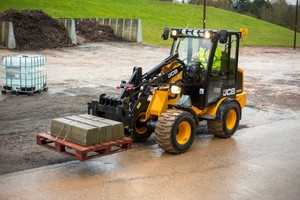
[157, 15]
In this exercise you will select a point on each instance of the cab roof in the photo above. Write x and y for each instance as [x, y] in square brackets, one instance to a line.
[200, 32]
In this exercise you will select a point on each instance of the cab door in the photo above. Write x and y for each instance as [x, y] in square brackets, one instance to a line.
[221, 83]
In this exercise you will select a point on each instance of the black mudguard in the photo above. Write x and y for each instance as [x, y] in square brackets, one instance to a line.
[222, 107]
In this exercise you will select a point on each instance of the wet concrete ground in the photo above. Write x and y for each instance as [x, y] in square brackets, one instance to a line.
[261, 161]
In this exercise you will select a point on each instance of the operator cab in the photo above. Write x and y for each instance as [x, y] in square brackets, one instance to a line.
[208, 82]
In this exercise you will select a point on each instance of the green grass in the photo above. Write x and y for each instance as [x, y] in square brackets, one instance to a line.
[157, 15]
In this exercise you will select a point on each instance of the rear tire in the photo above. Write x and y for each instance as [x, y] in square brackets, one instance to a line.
[229, 122]
[175, 131]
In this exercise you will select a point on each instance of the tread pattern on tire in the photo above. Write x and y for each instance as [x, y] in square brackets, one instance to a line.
[164, 127]
[216, 127]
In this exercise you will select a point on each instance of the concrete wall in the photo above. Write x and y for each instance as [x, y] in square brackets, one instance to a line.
[70, 26]
[7, 37]
[128, 29]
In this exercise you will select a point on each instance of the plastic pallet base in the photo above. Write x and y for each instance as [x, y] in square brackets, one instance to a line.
[81, 152]
[28, 93]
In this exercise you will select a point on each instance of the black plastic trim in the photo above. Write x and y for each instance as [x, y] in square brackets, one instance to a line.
[188, 110]
[222, 107]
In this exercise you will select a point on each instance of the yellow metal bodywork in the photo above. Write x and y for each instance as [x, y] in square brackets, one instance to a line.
[209, 110]
[244, 32]
[242, 71]
[158, 103]
[142, 129]
[160, 99]
[241, 97]
[174, 78]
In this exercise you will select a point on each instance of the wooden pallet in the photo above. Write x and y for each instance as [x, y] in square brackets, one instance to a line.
[83, 153]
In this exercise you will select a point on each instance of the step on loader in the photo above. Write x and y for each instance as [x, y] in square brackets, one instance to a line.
[199, 80]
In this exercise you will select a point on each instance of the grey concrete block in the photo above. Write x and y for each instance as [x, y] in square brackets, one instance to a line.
[104, 130]
[117, 127]
[76, 132]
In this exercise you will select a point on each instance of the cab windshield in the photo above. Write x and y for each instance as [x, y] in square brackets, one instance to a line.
[188, 49]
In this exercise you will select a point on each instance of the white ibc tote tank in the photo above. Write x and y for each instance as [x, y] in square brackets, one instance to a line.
[24, 73]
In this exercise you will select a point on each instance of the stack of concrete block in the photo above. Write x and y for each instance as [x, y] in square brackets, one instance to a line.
[87, 130]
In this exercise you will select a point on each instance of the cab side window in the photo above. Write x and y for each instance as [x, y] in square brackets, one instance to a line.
[224, 56]
[218, 73]
[233, 60]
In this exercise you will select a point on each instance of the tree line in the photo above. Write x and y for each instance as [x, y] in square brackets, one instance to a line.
[276, 11]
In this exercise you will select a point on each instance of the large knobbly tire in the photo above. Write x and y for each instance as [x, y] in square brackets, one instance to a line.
[175, 131]
[140, 132]
[229, 122]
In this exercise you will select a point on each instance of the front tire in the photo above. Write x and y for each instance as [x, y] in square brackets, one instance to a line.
[229, 122]
[175, 131]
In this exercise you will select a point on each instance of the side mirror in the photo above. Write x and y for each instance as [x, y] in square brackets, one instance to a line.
[165, 35]
[223, 36]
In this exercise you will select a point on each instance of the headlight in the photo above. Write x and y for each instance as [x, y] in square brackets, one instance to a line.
[175, 89]
[207, 34]
[174, 33]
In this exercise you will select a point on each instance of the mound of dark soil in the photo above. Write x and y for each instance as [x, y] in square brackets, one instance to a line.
[93, 31]
[36, 30]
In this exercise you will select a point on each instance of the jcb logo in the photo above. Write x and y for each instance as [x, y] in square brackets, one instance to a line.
[172, 73]
[230, 91]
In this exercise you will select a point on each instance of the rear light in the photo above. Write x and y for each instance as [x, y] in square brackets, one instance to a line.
[128, 88]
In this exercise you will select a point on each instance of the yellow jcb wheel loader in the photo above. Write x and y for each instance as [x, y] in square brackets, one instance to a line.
[182, 90]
